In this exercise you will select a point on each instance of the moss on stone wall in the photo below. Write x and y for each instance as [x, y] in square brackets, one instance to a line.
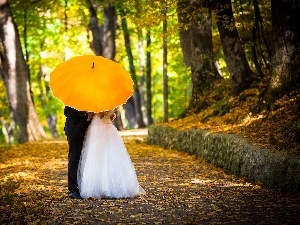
[273, 169]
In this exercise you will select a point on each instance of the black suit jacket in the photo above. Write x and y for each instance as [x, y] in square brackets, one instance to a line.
[76, 122]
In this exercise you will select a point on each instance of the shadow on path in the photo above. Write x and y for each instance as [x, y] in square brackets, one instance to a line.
[181, 189]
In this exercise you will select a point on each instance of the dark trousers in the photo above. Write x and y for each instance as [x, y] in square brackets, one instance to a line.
[75, 148]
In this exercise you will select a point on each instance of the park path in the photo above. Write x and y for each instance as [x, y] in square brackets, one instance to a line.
[181, 189]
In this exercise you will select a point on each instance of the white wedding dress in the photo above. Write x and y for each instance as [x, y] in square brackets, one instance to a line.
[105, 168]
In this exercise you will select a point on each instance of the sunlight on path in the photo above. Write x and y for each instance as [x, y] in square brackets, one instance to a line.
[181, 189]
[134, 132]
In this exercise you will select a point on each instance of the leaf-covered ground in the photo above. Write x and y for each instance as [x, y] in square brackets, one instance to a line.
[278, 129]
[181, 189]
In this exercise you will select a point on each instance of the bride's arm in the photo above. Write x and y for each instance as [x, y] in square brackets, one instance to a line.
[110, 114]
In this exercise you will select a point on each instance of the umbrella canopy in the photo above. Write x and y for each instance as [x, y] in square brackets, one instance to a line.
[91, 83]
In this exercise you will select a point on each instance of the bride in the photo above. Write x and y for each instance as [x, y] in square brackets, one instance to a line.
[105, 168]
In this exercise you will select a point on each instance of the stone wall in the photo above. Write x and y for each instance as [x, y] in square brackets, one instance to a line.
[273, 169]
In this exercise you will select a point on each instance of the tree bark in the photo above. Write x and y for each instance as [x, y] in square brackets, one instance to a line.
[97, 32]
[183, 10]
[51, 118]
[240, 72]
[149, 80]
[130, 113]
[142, 87]
[204, 76]
[285, 57]
[165, 65]
[136, 95]
[8, 131]
[109, 31]
[259, 42]
[118, 122]
[15, 74]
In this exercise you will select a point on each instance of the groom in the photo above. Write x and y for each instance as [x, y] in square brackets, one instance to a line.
[75, 127]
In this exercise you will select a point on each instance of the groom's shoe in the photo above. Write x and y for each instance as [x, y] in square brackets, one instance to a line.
[75, 194]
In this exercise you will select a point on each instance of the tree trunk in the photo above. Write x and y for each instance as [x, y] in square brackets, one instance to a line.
[183, 9]
[258, 39]
[118, 122]
[165, 65]
[240, 72]
[109, 31]
[16, 78]
[51, 118]
[148, 80]
[204, 76]
[130, 113]
[8, 131]
[97, 32]
[285, 57]
[142, 86]
[136, 95]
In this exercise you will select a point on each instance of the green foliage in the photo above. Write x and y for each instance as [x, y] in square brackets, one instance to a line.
[52, 31]
[4, 110]
[3, 101]
[56, 30]
[147, 16]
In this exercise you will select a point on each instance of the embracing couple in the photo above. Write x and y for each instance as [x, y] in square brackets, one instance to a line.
[99, 165]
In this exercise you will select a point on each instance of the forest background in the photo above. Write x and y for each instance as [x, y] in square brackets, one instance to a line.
[215, 59]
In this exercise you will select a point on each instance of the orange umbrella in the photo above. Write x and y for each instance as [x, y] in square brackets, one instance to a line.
[91, 83]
